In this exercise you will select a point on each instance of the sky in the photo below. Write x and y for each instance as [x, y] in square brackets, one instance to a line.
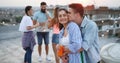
[21, 3]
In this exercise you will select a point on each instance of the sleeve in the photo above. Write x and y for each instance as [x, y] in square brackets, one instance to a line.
[21, 25]
[35, 17]
[28, 22]
[89, 36]
[75, 38]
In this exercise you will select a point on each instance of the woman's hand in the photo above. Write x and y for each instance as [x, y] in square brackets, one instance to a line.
[80, 50]
[66, 50]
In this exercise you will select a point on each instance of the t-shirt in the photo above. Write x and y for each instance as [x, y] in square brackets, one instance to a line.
[65, 40]
[26, 21]
[41, 18]
[56, 29]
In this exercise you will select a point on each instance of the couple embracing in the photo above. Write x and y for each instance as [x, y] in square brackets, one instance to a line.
[78, 37]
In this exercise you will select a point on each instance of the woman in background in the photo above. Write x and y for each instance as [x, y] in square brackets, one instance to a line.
[55, 37]
[27, 27]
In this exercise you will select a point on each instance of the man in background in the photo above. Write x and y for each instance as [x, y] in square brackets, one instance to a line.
[42, 16]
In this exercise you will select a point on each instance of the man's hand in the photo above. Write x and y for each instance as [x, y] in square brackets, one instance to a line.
[42, 24]
[80, 50]
[67, 50]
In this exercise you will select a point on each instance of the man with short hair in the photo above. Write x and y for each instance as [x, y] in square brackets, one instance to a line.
[42, 16]
[89, 33]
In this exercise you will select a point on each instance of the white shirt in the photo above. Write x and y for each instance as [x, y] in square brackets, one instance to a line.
[26, 21]
[65, 40]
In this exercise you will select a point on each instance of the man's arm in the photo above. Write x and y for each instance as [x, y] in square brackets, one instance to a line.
[48, 16]
[89, 36]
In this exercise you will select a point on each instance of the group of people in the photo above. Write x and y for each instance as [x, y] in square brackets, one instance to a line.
[71, 29]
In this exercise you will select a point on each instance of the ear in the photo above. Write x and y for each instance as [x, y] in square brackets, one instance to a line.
[77, 14]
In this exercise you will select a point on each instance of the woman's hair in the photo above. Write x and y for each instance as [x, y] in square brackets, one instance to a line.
[55, 18]
[61, 9]
[27, 8]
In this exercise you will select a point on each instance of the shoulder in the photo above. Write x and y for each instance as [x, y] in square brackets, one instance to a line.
[87, 22]
[37, 12]
[25, 17]
[72, 25]
[91, 23]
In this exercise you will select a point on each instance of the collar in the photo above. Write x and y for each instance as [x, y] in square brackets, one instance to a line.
[84, 22]
[62, 30]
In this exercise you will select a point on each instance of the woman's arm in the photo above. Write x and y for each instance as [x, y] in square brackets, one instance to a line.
[34, 26]
[75, 38]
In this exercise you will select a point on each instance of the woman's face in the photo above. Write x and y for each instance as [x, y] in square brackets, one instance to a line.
[63, 17]
[30, 12]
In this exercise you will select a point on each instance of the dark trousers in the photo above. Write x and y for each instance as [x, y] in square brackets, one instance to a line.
[28, 55]
[43, 35]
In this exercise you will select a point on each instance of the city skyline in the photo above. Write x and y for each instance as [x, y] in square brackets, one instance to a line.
[22, 3]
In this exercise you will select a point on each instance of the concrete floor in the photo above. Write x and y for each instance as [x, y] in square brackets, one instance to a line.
[12, 52]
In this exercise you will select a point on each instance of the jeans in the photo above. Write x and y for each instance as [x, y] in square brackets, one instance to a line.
[55, 38]
[43, 35]
[28, 55]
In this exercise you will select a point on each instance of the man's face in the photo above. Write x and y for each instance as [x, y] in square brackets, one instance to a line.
[71, 14]
[74, 16]
[43, 8]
